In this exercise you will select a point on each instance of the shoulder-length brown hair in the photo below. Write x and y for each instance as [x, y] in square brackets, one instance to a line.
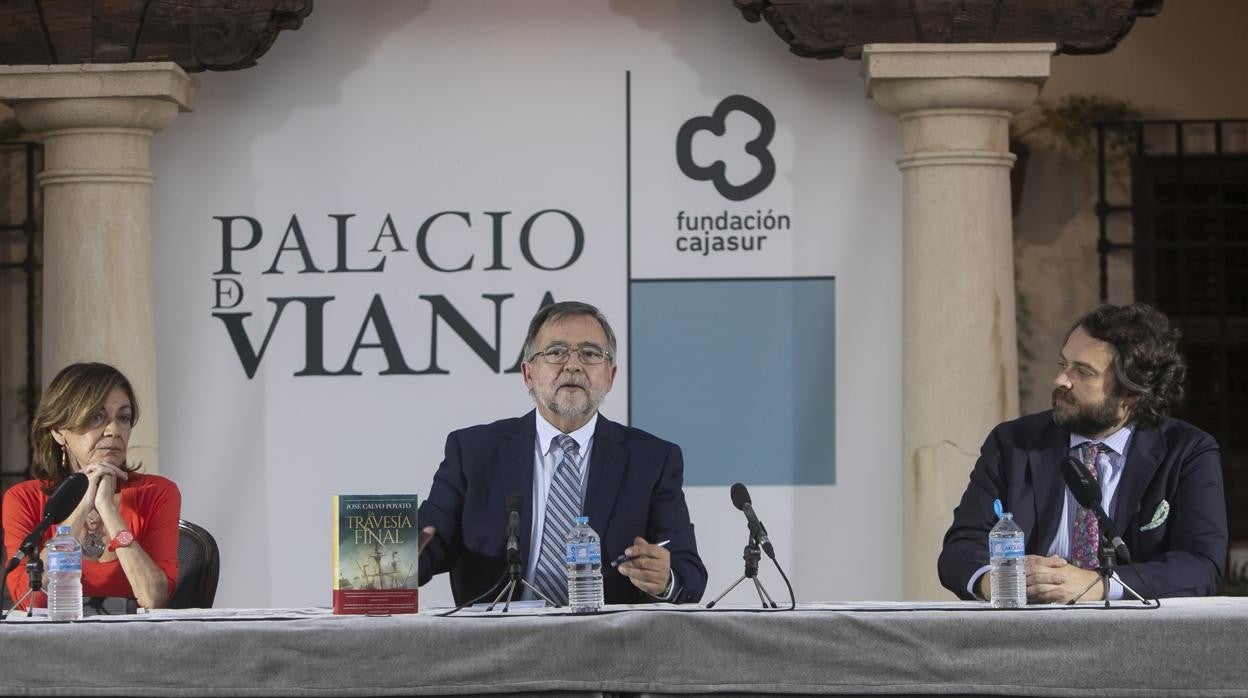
[68, 404]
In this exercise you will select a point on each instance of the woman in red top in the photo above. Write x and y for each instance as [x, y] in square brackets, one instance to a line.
[127, 522]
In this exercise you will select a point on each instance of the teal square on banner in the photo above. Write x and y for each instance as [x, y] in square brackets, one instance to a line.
[741, 373]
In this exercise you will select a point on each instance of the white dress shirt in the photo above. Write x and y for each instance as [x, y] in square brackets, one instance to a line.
[547, 456]
[1110, 463]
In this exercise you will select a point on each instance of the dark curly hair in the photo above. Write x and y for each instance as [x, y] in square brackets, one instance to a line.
[1146, 361]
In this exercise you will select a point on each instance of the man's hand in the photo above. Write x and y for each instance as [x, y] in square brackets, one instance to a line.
[650, 569]
[426, 535]
[985, 586]
[1053, 580]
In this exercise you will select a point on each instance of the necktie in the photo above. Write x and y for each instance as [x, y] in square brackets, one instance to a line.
[563, 503]
[1085, 544]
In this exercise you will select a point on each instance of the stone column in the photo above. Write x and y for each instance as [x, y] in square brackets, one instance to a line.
[959, 359]
[96, 122]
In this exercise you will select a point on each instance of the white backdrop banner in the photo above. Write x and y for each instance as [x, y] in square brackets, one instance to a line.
[351, 237]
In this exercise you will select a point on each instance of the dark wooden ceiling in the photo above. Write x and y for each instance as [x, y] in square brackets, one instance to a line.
[234, 34]
[836, 28]
[195, 34]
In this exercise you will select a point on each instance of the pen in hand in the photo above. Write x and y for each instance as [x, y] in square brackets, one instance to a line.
[624, 558]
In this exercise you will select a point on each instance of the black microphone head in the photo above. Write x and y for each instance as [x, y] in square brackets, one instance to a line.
[1081, 483]
[740, 496]
[514, 502]
[66, 497]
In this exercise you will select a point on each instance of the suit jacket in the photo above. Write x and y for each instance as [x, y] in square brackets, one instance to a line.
[1173, 462]
[634, 489]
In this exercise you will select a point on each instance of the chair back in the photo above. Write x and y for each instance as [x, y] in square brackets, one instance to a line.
[199, 566]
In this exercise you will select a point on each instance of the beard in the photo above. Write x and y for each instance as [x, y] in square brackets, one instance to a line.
[580, 401]
[1086, 419]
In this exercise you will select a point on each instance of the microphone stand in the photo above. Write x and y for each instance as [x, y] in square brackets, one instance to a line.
[751, 555]
[29, 547]
[514, 577]
[34, 570]
[1106, 571]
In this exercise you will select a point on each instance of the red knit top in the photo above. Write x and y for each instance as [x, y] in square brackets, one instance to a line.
[150, 505]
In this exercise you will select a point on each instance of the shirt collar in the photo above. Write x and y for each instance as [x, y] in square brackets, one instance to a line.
[546, 432]
[1116, 442]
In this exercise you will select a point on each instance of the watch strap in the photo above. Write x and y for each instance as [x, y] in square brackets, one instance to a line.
[123, 539]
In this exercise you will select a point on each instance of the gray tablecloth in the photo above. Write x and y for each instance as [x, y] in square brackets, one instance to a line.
[1196, 647]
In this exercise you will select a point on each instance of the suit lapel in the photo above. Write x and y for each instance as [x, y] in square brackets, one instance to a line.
[515, 454]
[607, 464]
[1044, 464]
[1143, 456]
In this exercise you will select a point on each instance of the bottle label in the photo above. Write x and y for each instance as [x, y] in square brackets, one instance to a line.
[1010, 548]
[65, 561]
[587, 553]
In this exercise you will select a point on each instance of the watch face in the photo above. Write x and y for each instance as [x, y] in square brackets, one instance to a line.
[121, 540]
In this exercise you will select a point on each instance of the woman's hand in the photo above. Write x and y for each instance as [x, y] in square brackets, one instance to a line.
[102, 485]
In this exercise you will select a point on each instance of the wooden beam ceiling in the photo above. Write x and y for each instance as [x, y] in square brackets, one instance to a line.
[840, 28]
[196, 34]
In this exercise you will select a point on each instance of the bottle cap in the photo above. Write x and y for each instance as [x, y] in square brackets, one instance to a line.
[997, 508]
[62, 530]
[580, 519]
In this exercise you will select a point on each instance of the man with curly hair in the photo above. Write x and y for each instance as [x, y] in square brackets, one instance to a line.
[1119, 377]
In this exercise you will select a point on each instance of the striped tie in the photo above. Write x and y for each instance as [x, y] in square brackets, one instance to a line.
[563, 503]
[1086, 541]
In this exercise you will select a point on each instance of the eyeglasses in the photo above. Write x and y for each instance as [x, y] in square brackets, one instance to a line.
[589, 355]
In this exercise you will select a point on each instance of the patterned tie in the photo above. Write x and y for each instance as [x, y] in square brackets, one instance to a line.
[1087, 539]
[563, 503]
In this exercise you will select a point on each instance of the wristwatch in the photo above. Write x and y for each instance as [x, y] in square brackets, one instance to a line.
[121, 540]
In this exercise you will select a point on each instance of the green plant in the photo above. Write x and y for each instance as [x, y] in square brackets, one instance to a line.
[1069, 126]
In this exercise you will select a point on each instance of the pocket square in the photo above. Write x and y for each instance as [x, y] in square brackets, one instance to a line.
[1159, 516]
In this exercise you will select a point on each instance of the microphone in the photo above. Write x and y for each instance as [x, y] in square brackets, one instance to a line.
[514, 503]
[741, 500]
[1088, 493]
[59, 506]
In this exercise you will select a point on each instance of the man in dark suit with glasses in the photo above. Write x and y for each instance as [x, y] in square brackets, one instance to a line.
[565, 459]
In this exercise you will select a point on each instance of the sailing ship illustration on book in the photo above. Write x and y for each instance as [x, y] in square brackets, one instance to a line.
[375, 572]
[376, 547]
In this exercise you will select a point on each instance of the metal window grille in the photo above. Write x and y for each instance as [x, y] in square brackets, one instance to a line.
[20, 268]
[1188, 213]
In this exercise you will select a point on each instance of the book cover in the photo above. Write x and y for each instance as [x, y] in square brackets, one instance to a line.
[376, 547]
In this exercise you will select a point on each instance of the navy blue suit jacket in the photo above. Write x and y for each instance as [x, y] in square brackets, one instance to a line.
[1174, 461]
[634, 489]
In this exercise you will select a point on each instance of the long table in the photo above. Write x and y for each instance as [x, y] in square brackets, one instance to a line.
[1188, 647]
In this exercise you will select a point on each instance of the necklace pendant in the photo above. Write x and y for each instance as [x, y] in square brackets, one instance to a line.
[93, 544]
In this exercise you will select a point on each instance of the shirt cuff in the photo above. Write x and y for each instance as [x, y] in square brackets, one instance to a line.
[1115, 589]
[972, 587]
[673, 588]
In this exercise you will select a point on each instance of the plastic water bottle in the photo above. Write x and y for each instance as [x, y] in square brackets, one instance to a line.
[1006, 551]
[64, 576]
[583, 555]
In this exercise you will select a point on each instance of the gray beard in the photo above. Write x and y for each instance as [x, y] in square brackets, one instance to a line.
[553, 405]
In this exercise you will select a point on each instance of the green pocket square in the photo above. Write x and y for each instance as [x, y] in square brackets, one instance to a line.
[1159, 516]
